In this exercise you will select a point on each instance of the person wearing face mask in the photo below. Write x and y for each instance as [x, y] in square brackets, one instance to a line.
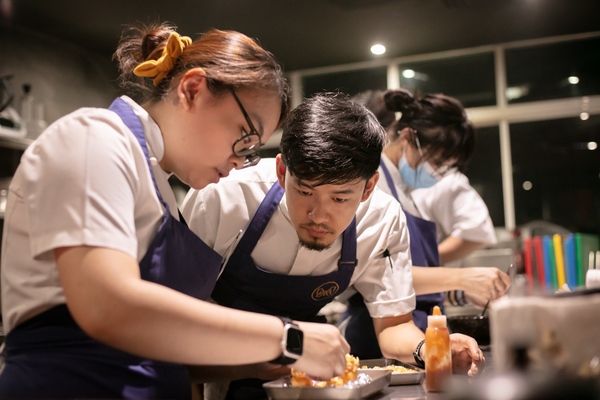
[103, 283]
[429, 145]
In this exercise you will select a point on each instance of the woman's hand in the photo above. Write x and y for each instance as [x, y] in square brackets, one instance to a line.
[268, 371]
[324, 351]
[484, 283]
[477, 301]
[466, 355]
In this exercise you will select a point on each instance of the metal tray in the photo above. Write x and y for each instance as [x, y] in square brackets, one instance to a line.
[282, 389]
[398, 378]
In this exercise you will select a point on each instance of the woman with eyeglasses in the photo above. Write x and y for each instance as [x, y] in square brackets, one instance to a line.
[429, 146]
[102, 281]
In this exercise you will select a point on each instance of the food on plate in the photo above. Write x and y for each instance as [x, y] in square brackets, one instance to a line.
[300, 379]
[396, 369]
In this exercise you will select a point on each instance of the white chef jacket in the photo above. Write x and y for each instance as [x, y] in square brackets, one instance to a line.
[452, 203]
[220, 211]
[84, 181]
[461, 213]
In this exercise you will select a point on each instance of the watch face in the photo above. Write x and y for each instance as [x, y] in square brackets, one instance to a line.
[294, 341]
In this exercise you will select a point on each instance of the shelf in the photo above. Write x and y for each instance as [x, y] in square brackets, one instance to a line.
[14, 142]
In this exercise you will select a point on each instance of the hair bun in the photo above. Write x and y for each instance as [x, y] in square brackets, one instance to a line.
[401, 100]
[153, 39]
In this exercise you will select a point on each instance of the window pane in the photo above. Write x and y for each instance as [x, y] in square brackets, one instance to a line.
[469, 78]
[556, 173]
[485, 172]
[349, 82]
[542, 72]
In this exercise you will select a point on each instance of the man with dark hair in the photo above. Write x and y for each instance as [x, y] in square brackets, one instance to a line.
[313, 225]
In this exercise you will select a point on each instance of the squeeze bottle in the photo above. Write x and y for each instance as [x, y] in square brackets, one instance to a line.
[438, 358]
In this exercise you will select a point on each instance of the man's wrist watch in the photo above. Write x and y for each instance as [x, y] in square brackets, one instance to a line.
[417, 355]
[291, 344]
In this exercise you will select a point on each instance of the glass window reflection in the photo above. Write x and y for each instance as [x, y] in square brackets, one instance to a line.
[485, 172]
[468, 78]
[349, 82]
[553, 71]
[556, 172]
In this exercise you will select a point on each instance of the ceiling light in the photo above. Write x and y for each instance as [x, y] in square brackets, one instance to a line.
[515, 92]
[592, 145]
[378, 49]
[584, 116]
[573, 80]
[408, 73]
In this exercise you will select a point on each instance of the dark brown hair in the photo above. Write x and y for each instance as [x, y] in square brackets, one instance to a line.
[228, 58]
[331, 139]
[440, 122]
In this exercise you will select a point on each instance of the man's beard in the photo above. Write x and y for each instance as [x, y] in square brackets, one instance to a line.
[313, 245]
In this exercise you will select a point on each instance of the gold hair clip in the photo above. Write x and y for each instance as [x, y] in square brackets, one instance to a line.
[161, 67]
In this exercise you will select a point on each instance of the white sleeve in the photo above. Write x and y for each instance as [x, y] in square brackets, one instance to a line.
[386, 284]
[216, 214]
[80, 184]
[200, 220]
[460, 211]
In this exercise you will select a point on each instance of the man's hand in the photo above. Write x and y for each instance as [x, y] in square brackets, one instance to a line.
[466, 355]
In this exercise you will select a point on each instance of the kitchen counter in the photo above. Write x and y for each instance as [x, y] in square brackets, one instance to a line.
[418, 392]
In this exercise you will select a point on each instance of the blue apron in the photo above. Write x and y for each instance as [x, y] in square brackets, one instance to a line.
[49, 356]
[360, 332]
[245, 286]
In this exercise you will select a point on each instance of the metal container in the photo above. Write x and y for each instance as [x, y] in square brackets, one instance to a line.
[282, 389]
[398, 378]
[476, 326]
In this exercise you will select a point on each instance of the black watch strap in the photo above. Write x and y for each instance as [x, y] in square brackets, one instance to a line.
[283, 360]
[459, 295]
[417, 355]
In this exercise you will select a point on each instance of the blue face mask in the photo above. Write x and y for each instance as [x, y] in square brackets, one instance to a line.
[420, 178]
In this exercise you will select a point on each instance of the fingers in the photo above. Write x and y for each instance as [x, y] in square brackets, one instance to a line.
[477, 365]
[502, 281]
[324, 351]
[467, 354]
[505, 280]
[478, 301]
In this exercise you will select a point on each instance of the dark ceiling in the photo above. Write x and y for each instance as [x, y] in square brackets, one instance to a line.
[312, 33]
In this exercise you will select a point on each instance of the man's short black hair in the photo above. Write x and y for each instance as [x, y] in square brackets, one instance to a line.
[331, 139]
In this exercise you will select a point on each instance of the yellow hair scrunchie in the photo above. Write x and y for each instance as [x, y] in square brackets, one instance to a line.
[161, 67]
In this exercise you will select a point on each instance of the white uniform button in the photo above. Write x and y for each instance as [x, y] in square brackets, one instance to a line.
[153, 161]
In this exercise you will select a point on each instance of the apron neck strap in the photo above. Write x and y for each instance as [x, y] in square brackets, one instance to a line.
[261, 218]
[125, 112]
[348, 258]
[389, 180]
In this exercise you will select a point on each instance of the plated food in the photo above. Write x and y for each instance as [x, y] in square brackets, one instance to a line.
[376, 380]
[350, 374]
[402, 373]
[396, 369]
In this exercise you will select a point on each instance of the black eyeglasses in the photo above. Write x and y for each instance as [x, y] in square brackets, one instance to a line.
[248, 145]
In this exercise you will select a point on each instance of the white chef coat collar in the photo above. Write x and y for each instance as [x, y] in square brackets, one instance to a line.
[154, 138]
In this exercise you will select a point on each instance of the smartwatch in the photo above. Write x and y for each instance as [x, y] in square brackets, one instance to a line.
[291, 344]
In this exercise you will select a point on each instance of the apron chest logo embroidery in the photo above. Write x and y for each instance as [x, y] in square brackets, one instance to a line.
[324, 291]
